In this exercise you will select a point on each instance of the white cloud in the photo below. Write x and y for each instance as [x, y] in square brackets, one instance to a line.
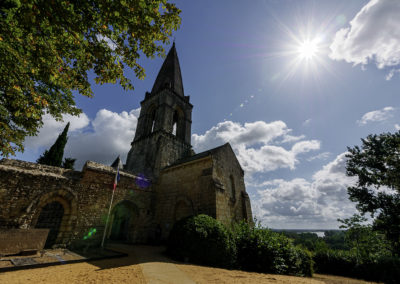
[52, 128]
[106, 137]
[397, 127]
[373, 36]
[391, 73]
[305, 146]
[376, 115]
[112, 134]
[299, 203]
[254, 142]
[321, 156]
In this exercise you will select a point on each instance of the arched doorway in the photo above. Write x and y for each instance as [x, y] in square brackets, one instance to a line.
[50, 217]
[122, 218]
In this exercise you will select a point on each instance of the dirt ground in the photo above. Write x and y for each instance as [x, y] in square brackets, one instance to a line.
[129, 270]
[210, 275]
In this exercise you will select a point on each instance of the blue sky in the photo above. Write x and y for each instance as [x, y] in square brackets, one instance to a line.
[288, 83]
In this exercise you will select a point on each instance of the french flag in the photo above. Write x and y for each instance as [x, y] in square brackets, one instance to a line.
[117, 177]
[116, 180]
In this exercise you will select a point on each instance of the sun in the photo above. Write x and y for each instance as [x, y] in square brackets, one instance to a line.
[308, 49]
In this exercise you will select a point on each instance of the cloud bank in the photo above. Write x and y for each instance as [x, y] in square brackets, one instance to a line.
[101, 140]
[257, 144]
[373, 36]
[299, 203]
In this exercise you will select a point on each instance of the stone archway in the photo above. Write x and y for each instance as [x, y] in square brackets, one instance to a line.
[123, 219]
[56, 210]
[50, 217]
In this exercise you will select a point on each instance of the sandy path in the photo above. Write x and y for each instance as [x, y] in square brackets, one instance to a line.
[116, 270]
[209, 275]
[147, 265]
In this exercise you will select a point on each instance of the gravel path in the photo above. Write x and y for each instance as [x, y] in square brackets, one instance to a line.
[146, 264]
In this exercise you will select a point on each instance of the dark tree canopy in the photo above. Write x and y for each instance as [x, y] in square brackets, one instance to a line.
[47, 48]
[376, 164]
[68, 163]
[54, 156]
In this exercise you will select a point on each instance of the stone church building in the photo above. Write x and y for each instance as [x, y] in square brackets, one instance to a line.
[162, 181]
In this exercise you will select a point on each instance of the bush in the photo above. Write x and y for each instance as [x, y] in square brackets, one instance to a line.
[202, 239]
[344, 263]
[262, 250]
[338, 262]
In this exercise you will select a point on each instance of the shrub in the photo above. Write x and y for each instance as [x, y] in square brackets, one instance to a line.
[262, 250]
[344, 263]
[338, 262]
[203, 240]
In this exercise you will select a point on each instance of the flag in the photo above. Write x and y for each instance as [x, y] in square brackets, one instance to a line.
[116, 180]
[117, 177]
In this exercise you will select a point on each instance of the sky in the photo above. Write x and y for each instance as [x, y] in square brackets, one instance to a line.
[288, 83]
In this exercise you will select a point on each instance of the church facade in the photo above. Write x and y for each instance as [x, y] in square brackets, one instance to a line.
[162, 181]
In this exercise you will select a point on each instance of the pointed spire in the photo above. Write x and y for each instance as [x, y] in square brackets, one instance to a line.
[169, 75]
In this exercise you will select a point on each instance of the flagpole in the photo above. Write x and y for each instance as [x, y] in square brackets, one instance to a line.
[109, 209]
[108, 216]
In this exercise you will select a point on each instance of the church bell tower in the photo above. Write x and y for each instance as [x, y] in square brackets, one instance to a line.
[163, 131]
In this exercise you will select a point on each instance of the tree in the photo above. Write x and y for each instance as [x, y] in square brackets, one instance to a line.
[54, 156]
[377, 166]
[360, 237]
[68, 163]
[48, 47]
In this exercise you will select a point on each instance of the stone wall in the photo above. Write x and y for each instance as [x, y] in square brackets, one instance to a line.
[184, 190]
[212, 184]
[232, 201]
[26, 188]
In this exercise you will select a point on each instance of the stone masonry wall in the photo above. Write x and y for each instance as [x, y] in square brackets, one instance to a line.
[25, 188]
[232, 201]
[184, 190]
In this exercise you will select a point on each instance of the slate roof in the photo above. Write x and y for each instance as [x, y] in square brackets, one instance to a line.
[169, 74]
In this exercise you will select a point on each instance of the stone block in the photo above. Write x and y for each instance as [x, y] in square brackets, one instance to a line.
[14, 241]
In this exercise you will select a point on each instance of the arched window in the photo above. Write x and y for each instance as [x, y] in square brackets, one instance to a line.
[175, 122]
[178, 124]
[153, 120]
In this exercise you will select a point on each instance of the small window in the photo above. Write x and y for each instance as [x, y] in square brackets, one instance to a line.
[175, 123]
[174, 129]
[153, 121]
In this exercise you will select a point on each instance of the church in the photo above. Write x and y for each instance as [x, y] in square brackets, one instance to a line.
[162, 181]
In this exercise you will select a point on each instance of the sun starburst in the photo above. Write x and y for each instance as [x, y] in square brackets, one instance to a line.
[308, 49]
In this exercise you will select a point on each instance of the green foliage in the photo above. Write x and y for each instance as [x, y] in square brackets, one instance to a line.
[68, 163]
[261, 250]
[310, 241]
[377, 166]
[336, 240]
[366, 243]
[53, 156]
[336, 262]
[202, 239]
[48, 47]
[345, 263]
